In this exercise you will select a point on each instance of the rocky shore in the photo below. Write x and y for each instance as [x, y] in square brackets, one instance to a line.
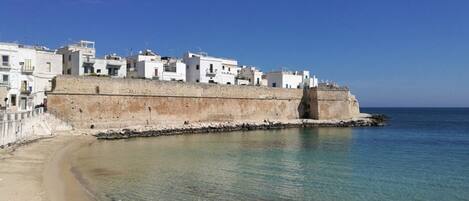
[364, 120]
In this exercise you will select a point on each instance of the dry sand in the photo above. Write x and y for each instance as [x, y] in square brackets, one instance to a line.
[42, 171]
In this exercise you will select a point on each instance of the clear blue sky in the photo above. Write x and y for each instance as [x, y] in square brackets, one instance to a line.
[391, 53]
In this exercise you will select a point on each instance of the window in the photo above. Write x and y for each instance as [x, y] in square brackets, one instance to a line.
[211, 68]
[196, 80]
[28, 63]
[113, 71]
[5, 78]
[228, 83]
[98, 71]
[5, 60]
[89, 69]
[298, 86]
[69, 71]
[274, 84]
[223, 67]
[13, 100]
[229, 69]
[24, 85]
[23, 103]
[49, 85]
[197, 67]
[69, 57]
[258, 81]
[306, 77]
[49, 66]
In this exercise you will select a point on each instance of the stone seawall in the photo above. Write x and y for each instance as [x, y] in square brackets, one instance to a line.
[96, 102]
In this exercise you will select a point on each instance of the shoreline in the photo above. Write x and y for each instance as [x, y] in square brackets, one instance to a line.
[364, 120]
[70, 187]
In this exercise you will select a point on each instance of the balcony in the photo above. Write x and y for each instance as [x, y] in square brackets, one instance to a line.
[89, 60]
[4, 84]
[112, 62]
[5, 66]
[25, 92]
[211, 73]
[27, 69]
[170, 69]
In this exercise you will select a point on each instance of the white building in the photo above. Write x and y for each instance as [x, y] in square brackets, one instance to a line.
[26, 73]
[252, 75]
[173, 69]
[207, 69]
[150, 65]
[288, 79]
[80, 59]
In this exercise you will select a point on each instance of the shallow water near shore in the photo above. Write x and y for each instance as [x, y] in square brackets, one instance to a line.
[423, 154]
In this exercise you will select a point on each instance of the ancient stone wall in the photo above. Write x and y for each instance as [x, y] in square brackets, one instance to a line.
[88, 102]
[91, 102]
[332, 103]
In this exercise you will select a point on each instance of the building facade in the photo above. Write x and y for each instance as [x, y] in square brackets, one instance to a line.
[149, 65]
[252, 75]
[26, 73]
[291, 79]
[207, 69]
[173, 69]
[80, 59]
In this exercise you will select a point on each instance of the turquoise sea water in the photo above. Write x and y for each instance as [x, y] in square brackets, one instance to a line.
[423, 154]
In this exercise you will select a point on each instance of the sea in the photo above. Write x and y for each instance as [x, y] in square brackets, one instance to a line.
[421, 154]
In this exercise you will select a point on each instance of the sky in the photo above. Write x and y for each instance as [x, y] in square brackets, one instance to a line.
[396, 53]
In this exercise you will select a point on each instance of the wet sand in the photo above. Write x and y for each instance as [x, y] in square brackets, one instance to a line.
[42, 171]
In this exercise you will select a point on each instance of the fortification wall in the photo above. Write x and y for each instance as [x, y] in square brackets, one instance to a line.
[86, 102]
[333, 103]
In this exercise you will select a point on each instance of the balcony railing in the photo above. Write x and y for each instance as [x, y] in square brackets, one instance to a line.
[113, 62]
[5, 65]
[4, 83]
[27, 69]
[89, 60]
[25, 92]
[170, 69]
[212, 72]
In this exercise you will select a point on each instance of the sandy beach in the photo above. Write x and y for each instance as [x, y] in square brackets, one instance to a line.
[42, 171]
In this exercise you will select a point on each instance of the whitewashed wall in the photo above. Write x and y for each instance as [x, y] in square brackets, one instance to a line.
[20, 126]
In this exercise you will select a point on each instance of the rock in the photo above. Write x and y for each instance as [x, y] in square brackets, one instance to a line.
[213, 127]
